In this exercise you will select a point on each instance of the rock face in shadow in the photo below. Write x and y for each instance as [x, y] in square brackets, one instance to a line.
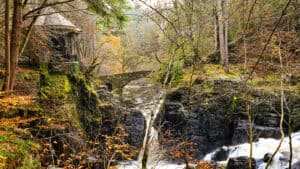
[221, 154]
[214, 113]
[239, 163]
[131, 119]
[135, 127]
[241, 135]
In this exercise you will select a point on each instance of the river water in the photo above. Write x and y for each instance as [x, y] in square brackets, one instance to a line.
[149, 98]
[263, 146]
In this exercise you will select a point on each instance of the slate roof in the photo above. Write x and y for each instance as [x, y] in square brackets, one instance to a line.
[54, 19]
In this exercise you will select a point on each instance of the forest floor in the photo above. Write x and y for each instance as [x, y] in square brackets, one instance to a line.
[18, 111]
[269, 80]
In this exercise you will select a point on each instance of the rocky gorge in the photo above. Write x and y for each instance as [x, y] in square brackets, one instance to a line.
[189, 123]
[80, 123]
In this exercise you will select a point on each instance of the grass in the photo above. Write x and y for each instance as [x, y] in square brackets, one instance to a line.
[17, 153]
[268, 81]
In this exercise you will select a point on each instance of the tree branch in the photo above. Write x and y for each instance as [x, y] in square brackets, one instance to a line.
[44, 6]
[283, 13]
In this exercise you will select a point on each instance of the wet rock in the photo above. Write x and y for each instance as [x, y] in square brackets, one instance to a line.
[171, 106]
[267, 157]
[135, 127]
[296, 165]
[285, 156]
[239, 163]
[240, 134]
[221, 154]
[175, 114]
[214, 114]
[176, 95]
[259, 162]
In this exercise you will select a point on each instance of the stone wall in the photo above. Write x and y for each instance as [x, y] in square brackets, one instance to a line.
[118, 81]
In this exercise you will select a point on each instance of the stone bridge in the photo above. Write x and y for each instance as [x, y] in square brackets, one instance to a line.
[120, 80]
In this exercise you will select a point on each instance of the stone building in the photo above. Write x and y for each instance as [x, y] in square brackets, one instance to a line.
[54, 39]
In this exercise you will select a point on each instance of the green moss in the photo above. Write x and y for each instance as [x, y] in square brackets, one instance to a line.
[17, 152]
[25, 76]
[72, 114]
[55, 86]
[68, 86]
[208, 87]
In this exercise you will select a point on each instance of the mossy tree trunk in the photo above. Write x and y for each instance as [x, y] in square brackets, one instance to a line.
[7, 46]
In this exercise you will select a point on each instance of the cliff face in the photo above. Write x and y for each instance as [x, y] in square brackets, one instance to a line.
[214, 113]
[72, 121]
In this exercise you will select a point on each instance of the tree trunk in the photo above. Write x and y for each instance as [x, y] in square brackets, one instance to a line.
[216, 29]
[28, 33]
[7, 47]
[15, 40]
[221, 31]
[226, 9]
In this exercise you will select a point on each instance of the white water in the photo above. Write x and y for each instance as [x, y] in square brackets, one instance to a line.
[159, 165]
[148, 99]
[263, 146]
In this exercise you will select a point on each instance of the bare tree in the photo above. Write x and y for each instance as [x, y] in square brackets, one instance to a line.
[281, 106]
[222, 37]
[16, 36]
[7, 46]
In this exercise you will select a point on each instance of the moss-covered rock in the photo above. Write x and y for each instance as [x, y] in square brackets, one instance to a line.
[214, 113]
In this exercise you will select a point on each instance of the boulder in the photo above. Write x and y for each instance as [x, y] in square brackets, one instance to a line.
[135, 126]
[267, 157]
[239, 163]
[213, 114]
[220, 154]
[296, 165]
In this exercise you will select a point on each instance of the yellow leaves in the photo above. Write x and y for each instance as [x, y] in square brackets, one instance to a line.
[176, 154]
[93, 142]
[11, 102]
[116, 145]
[65, 145]
[62, 155]
[2, 161]
[204, 165]
[58, 162]
[113, 45]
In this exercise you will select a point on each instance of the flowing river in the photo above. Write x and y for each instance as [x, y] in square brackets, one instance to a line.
[149, 99]
[263, 146]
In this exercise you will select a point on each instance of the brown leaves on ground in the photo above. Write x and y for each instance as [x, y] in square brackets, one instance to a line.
[10, 104]
[17, 100]
[204, 165]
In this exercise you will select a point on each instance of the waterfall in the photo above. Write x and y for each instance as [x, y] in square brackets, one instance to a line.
[147, 98]
[263, 146]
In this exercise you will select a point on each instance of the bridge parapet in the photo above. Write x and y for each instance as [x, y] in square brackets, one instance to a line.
[118, 81]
